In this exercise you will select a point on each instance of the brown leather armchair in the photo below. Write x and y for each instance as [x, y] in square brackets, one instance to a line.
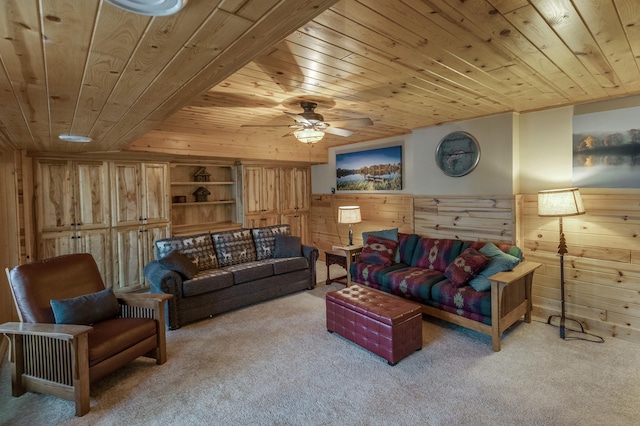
[62, 359]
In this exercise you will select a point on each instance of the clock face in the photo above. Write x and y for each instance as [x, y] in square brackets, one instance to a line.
[458, 154]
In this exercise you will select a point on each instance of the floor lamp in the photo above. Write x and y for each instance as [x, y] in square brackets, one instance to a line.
[560, 203]
[350, 215]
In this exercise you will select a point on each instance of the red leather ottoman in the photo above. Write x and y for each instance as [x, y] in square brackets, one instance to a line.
[388, 326]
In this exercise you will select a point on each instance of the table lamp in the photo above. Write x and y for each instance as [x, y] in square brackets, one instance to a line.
[350, 215]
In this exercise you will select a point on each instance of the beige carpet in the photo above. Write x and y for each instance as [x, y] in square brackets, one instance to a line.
[275, 364]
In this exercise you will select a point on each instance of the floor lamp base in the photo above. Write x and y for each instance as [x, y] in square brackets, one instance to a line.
[563, 329]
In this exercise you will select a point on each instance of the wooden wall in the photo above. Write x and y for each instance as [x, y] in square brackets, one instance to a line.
[474, 218]
[378, 212]
[602, 268]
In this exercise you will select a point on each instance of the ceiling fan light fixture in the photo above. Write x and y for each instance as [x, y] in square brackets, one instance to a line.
[150, 7]
[75, 138]
[309, 135]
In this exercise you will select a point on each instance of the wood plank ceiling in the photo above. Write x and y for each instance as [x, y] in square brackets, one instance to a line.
[88, 68]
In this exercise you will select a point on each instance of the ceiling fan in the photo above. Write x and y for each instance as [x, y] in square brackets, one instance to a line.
[310, 126]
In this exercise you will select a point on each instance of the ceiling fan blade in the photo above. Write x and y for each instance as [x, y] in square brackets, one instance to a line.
[337, 131]
[298, 117]
[264, 125]
[352, 122]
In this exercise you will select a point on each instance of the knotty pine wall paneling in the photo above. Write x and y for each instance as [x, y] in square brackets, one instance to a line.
[379, 211]
[602, 268]
[476, 218]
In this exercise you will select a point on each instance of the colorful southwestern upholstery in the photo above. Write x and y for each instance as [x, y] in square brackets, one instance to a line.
[465, 267]
[439, 274]
[379, 251]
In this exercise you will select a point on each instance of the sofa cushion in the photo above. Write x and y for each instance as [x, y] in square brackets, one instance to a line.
[378, 251]
[250, 271]
[412, 283]
[499, 261]
[389, 234]
[264, 239]
[115, 335]
[199, 248]
[234, 247]
[289, 264]
[465, 267]
[504, 247]
[371, 275]
[206, 281]
[463, 298]
[167, 245]
[406, 246]
[179, 263]
[86, 309]
[435, 253]
[287, 246]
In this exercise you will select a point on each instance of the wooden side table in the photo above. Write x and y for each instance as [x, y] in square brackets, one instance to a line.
[342, 256]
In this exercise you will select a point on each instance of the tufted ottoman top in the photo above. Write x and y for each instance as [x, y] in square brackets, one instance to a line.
[375, 304]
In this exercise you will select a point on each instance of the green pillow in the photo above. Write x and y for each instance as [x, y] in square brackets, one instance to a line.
[86, 309]
[499, 261]
[387, 234]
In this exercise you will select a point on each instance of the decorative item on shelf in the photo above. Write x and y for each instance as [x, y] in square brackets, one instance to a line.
[458, 154]
[350, 215]
[560, 203]
[201, 194]
[179, 199]
[202, 175]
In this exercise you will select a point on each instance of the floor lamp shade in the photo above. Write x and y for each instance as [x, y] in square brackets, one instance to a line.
[350, 215]
[560, 202]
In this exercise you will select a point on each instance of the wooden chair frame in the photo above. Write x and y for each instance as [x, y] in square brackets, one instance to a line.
[54, 358]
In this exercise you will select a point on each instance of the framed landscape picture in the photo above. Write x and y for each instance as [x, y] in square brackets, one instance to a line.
[371, 170]
[606, 149]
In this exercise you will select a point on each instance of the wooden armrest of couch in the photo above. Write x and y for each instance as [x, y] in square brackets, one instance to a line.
[510, 298]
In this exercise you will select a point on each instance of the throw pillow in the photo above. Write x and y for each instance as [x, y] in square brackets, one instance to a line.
[378, 251]
[389, 234]
[86, 309]
[287, 246]
[499, 261]
[465, 267]
[180, 263]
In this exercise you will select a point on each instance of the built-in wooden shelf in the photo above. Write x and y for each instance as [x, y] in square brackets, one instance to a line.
[204, 203]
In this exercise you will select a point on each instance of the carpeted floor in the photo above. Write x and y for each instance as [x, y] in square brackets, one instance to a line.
[275, 364]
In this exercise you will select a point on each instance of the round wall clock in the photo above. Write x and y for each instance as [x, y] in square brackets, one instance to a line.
[458, 154]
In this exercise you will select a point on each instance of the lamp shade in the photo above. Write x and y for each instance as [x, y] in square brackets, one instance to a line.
[309, 135]
[560, 202]
[349, 214]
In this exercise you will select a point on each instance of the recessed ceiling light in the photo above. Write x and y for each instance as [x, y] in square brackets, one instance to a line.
[150, 7]
[75, 138]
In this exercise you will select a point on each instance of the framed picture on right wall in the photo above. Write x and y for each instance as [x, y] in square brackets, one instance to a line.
[606, 149]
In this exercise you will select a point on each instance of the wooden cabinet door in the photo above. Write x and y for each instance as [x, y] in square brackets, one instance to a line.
[54, 189]
[155, 193]
[128, 258]
[295, 189]
[151, 235]
[302, 183]
[270, 190]
[56, 243]
[97, 242]
[252, 189]
[299, 223]
[91, 195]
[126, 197]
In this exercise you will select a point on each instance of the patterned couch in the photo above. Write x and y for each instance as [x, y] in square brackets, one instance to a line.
[208, 274]
[478, 285]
